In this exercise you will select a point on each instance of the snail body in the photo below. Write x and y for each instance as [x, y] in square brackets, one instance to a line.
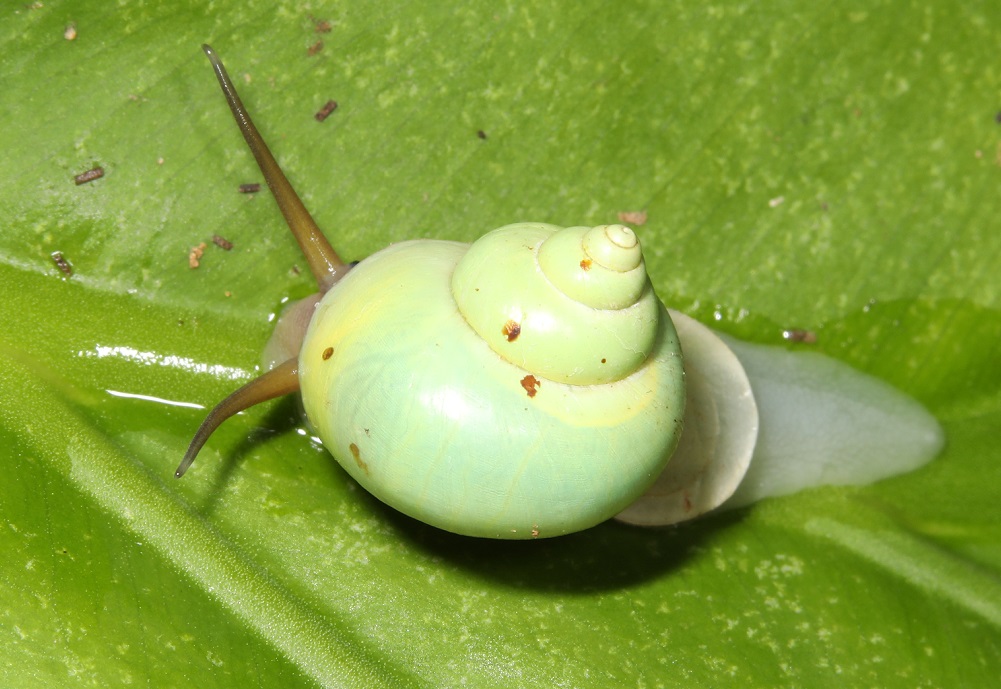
[531, 384]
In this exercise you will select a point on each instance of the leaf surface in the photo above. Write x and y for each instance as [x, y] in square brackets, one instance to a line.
[830, 167]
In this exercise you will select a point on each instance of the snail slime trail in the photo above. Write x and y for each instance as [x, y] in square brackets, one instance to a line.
[542, 392]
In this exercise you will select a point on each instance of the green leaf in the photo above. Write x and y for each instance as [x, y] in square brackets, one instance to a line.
[830, 167]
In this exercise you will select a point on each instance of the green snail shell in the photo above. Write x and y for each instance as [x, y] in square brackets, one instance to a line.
[423, 412]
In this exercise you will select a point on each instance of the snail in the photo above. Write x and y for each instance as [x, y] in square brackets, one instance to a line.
[531, 384]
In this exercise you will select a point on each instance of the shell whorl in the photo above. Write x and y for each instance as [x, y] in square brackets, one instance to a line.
[570, 305]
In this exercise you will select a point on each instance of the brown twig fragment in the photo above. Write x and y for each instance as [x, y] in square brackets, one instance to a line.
[633, 217]
[89, 176]
[326, 110]
[61, 263]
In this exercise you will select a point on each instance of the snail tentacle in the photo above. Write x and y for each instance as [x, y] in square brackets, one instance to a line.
[326, 266]
[279, 381]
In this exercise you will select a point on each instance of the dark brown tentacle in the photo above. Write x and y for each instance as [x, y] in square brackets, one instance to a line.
[281, 380]
[326, 266]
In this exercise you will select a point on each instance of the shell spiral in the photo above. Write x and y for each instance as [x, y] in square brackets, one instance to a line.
[527, 385]
[574, 306]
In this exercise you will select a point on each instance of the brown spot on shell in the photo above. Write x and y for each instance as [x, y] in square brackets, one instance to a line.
[530, 383]
[356, 453]
[222, 242]
[603, 360]
[585, 264]
[327, 353]
[315, 48]
[250, 188]
[511, 330]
